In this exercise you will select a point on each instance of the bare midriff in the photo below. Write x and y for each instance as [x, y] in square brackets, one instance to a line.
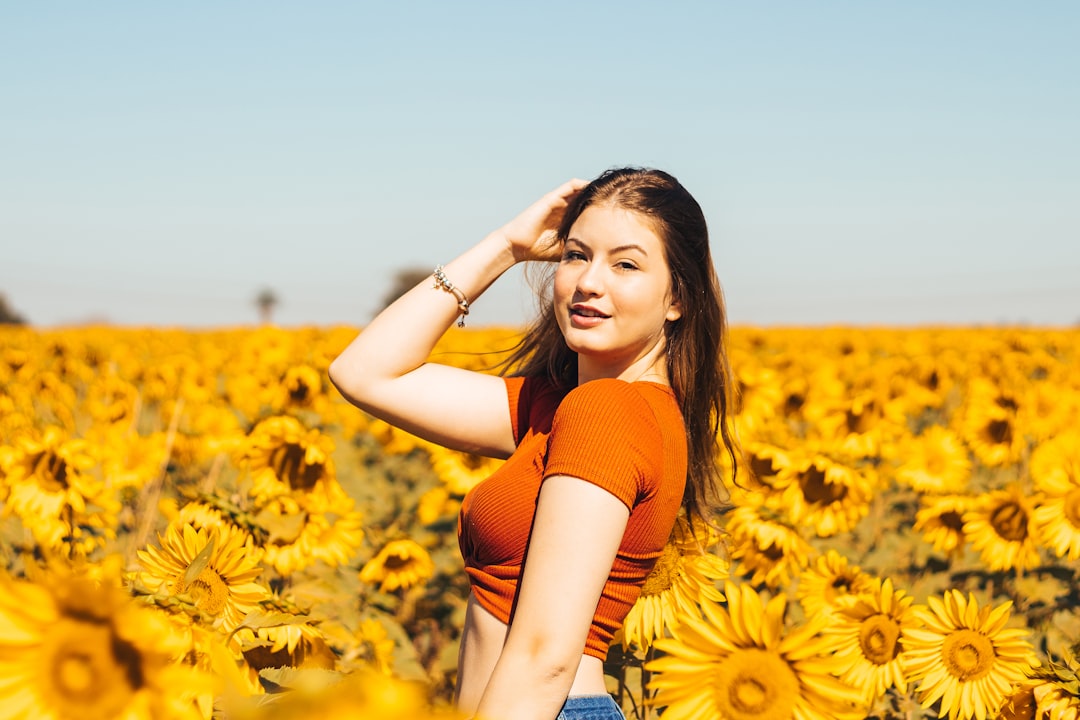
[482, 641]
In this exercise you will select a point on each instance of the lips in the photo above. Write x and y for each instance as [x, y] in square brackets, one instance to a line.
[587, 312]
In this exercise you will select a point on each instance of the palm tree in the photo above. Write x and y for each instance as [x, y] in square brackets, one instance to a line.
[266, 301]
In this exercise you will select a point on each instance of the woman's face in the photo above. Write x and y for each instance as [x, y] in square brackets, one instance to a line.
[612, 293]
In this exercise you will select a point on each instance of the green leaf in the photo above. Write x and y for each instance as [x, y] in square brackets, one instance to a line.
[200, 562]
[256, 620]
[281, 528]
[302, 679]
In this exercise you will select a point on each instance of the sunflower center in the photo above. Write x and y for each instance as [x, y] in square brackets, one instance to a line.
[762, 467]
[299, 392]
[999, 432]
[397, 561]
[90, 673]
[51, 471]
[1072, 508]
[816, 490]
[860, 421]
[288, 463]
[774, 552]
[878, 635]
[208, 590]
[793, 403]
[838, 588]
[664, 572]
[952, 520]
[754, 684]
[968, 654]
[1010, 521]
[937, 464]
[472, 461]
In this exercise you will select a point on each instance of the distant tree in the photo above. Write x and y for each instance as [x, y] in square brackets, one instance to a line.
[8, 316]
[266, 301]
[404, 281]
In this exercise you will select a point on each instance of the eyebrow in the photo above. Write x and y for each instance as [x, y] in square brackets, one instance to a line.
[614, 250]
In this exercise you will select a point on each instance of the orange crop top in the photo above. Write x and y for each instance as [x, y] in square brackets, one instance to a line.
[628, 438]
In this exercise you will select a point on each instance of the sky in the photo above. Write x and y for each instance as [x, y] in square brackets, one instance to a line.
[859, 163]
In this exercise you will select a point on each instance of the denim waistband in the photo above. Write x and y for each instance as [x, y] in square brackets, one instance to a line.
[590, 707]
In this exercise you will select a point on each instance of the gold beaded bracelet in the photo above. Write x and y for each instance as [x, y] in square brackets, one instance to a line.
[462, 302]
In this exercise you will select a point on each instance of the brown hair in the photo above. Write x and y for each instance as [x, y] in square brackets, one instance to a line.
[697, 360]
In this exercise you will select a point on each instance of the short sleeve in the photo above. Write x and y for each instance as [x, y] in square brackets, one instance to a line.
[605, 432]
[514, 387]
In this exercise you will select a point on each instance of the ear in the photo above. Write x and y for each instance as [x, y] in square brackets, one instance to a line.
[674, 311]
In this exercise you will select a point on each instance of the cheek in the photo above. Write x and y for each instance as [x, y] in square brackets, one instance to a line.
[563, 285]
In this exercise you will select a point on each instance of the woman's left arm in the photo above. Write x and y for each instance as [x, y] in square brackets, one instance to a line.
[575, 536]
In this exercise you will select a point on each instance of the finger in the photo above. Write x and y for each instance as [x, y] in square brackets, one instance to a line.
[571, 187]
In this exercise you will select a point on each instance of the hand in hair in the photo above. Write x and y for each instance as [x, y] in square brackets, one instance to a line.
[531, 235]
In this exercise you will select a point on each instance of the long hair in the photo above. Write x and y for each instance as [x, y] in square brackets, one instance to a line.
[697, 360]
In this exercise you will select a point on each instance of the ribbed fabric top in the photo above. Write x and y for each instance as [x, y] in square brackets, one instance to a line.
[627, 438]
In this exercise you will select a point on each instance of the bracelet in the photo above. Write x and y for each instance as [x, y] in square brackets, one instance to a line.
[462, 302]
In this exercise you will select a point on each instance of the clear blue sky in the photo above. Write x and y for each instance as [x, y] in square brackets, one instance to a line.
[859, 162]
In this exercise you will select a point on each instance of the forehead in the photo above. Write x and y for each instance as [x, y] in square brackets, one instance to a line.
[614, 226]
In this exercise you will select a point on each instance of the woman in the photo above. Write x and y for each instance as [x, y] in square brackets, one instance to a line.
[610, 423]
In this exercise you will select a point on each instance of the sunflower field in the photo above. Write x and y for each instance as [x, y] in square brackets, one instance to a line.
[195, 525]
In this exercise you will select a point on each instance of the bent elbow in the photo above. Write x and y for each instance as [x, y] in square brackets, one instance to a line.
[347, 377]
[551, 661]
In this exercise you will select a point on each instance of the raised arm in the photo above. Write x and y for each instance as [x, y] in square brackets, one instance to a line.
[385, 372]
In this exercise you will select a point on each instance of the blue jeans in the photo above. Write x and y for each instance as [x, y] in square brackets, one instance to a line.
[591, 707]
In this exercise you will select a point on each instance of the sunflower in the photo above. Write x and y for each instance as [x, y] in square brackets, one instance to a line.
[964, 656]
[285, 458]
[364, 693]
[767, 545]
[1052, 692]
[131, 461]
[763, 464]
[49, 476]
[1001, 528]
[759, 393]
[935, 462]
[295, 644]
[399, 564]
[856, 426]
[72, 648]
[684, 574]
[298, 539]
[335, 538]
[988, 424]
[1058, 700]
[113, 402]
[870, 629]
[460, 471]
[394, 441]
[1057, 519]
[52, 492]
[300, 388]
[436, 504]
[14, 421]
[941, 521]
[827, 495]
[376, 646]
[830, 583]
[742, 663]
[222, 563]
[1055, 467]
[1019, 704]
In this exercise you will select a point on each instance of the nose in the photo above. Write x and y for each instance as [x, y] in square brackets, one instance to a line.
[589, 280]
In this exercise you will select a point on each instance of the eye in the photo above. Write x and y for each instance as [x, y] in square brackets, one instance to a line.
[626, 265]
[569, 255]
